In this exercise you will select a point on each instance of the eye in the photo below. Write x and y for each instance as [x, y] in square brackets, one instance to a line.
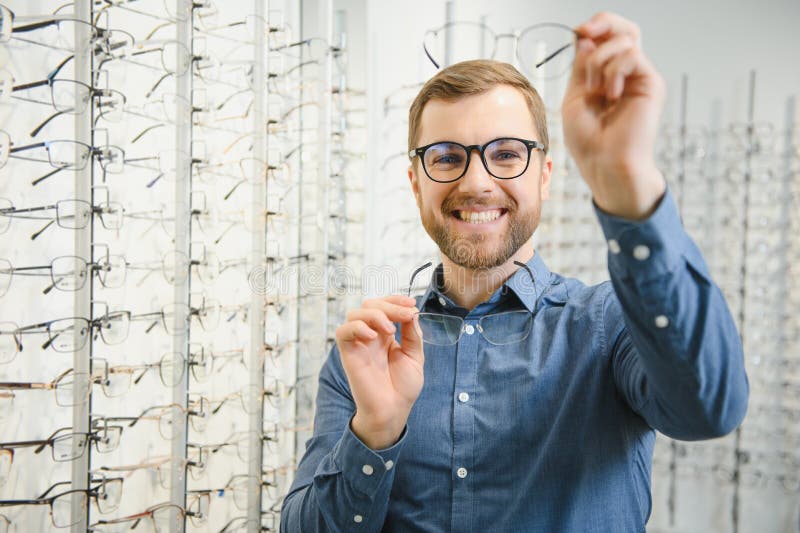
[446, 159]
[505, 155]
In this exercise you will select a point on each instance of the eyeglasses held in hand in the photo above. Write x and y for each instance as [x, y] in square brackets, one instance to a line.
[544, 51]
[503, 328]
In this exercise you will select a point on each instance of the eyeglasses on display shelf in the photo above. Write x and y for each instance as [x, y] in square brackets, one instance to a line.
[66, 445]
[165, 415]
[129, 106]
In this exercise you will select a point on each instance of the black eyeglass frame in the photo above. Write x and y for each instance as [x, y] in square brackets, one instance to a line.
[530, 145]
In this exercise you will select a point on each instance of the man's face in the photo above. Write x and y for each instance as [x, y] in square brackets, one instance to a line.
[479, 221]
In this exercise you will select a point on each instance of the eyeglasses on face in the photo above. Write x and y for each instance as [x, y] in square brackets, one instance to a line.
[504, 158]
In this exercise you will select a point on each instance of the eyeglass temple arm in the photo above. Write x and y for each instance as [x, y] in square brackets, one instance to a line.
[414, 275]
[427, 53]
[553, 55]
[24, 444]
[15, 149]
[35, 26]
[12, 503]
[49, 490]
[31, 85]
[38, 128]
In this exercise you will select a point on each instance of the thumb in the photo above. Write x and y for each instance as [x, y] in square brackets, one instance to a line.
[411, 340]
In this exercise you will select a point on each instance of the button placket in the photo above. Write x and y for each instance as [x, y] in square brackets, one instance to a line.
[464, 439]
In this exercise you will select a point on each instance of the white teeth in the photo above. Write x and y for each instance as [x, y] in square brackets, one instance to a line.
[479, 217]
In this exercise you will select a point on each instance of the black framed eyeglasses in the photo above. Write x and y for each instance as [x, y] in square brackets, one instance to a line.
[504, 158]
[507, 327]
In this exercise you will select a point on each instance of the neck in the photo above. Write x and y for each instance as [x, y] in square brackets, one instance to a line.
[468, 288]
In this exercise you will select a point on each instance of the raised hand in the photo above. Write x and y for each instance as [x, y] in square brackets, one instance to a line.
[610, 114]
[385, 376]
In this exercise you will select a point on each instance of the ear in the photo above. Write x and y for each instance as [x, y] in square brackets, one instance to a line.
[547, 170]
[414, 179]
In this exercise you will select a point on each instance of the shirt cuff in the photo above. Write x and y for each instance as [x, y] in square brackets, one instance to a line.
[645, 249]
[365, 469]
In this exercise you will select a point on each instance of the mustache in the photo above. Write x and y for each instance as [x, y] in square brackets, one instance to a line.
[450, 204]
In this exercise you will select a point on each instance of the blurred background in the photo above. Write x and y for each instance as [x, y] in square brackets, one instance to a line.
[192, 194]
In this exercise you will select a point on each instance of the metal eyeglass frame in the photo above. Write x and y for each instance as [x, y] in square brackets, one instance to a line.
[517, 36]
[479, 326]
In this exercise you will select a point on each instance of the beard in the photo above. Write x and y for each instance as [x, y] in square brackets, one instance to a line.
[474, 251]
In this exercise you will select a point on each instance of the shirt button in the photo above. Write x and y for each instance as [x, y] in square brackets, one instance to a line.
[442, 301]
[661, 321]
[389, 464]
[367, 469]
[641, 252]
[469, 330]
[461, 472]
[463, 397]
[613, 246]
[358, 519]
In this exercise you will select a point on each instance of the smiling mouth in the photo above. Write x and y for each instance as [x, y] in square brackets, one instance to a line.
[478, 217]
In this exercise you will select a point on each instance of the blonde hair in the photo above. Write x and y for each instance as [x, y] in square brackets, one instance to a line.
[475, 77]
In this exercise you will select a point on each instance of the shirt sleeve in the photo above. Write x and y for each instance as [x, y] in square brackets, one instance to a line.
[340, 484]
[676, 353]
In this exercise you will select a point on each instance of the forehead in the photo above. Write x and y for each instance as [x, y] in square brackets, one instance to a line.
[499, 112]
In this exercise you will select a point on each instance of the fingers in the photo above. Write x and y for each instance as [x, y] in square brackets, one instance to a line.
[615, 72]
[398, 299]
[396, 308]
[375, 317]
[608, 53]
[604, 25]
[354, 331]
[598, 59]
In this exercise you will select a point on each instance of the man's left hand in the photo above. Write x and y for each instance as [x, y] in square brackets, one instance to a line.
[610, 115]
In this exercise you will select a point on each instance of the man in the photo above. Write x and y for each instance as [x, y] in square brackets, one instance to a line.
[542, 418]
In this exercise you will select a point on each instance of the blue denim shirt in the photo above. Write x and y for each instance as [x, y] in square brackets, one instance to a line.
[554, 433]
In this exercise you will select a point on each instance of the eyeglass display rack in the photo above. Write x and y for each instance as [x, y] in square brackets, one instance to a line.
[737, 185]
[200, 140]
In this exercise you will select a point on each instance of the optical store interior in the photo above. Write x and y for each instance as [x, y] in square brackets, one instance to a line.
[194, 193]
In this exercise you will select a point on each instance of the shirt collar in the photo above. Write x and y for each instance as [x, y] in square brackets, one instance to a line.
[519, 283]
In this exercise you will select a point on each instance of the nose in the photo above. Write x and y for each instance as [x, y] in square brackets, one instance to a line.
[476, 180]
